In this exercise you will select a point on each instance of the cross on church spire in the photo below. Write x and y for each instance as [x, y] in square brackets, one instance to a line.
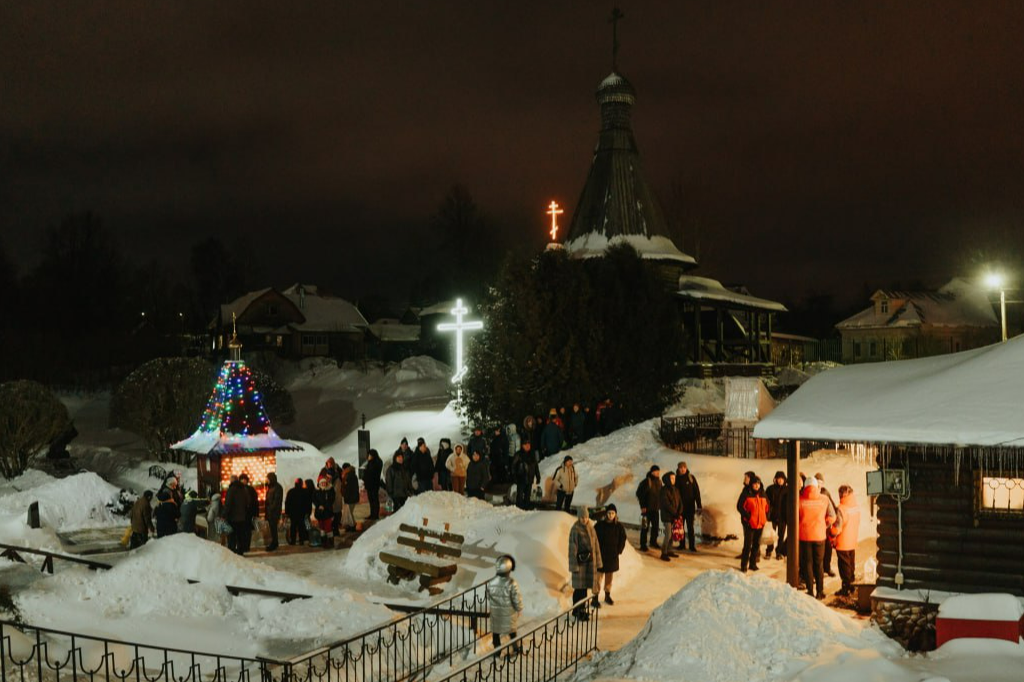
[554, 211]
[614, 21]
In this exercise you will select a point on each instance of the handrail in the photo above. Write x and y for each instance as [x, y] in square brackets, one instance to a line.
[11, 552]
[540, 654]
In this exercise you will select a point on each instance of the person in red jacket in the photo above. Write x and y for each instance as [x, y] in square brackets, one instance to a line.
[848, 518]
[815, 519]
[755, 516]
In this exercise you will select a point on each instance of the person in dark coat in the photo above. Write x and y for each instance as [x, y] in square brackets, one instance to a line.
[577, 425]
[551, 437]
[689, 492]
[406, 452]
[584, 561]
[832, 507]
[611, 538]
[189, 511]
[589, 422]
[323, 510]
[142, 520]
[755, 508]
[670, 506]
[236, 513]
[777, 494]
[398, 481]
[530, 433]
[478, 443]
[648, 494]
[297, 514]
[252, 509]
[331, 469]
[349, 493]
[525, 471]
[308, 490]
[371, 481]
[444, 477]
[478, 475]
[166, 514]
[423, 467]
[499, 456]
[272, 505]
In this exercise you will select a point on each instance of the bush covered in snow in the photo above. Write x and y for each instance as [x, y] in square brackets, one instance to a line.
[31, 416]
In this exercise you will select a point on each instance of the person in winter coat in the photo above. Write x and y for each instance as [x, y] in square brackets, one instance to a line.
[815, 518]
[848, 518]
[444, 476]
[323, 509]
[584, 560]
[349, 493]
[505, 601]
[331, 470]
[458, 464]
[777, 494]
[526, 472]
[589, 423]
[551, 438]
[214, 519]
[339, 501]
[371, 481]
[565, 484]
[611, 538]
[273, 503]
[172, 484]
[689, 493]
[514, 441]
[756, 511]
[478, 443]
[236, 513]
[670, 506]
[832, 507]
[252, 509]
[530, 432]
[478, 475]
[308, 491]
[189, 511]
[748, 476]
[297, 514]
[406, 452]
[499, 456]
[142, 520]
[398, 481]
[166, 515]
[423, 467]
[576, 427]
[648, 494]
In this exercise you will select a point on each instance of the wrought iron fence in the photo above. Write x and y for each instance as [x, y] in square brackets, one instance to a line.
[393, 652]
[540, 654]
[707, 434]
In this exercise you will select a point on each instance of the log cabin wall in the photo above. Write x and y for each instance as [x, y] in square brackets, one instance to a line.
[948, 543]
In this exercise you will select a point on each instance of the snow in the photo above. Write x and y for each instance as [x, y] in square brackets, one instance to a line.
[537, 540]
[707, 289]
[65, 504]
[982, 607]
[387, 431]
[971, 398]
[594, 244]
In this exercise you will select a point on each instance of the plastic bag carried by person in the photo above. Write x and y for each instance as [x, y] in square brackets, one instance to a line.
[768, 535]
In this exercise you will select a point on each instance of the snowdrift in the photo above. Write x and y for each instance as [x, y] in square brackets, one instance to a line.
[724, 626]
[65, 504]
[147, 598]
[537, 540]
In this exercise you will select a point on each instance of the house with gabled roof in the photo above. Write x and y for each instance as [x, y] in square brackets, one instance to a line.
[296, 322]
[914, 324]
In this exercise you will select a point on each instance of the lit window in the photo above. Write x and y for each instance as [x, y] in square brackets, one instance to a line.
[1002, 495]
[280, 341]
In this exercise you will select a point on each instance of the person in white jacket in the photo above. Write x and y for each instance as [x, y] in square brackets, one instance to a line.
[458, 463]
[565, 480]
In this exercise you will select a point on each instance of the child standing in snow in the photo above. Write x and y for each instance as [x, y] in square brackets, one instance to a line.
[506, 601]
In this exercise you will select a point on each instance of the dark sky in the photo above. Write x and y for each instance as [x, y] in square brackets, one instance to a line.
[814, 146]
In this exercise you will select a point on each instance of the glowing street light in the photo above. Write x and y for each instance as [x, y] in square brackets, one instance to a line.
[458, 327]
[994, 280]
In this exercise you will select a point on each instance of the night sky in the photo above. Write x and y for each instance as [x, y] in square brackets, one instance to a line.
[797, 147]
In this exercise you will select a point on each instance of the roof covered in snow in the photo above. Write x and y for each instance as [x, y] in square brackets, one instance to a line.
[711, 290]
[595, 244]
[317, 312]
[973, 398]
[391, 330]
[957, 304]
[206, 443]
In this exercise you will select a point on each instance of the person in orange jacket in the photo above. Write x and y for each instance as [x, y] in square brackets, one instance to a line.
[815, 519]
[848, 519]
[755, 516]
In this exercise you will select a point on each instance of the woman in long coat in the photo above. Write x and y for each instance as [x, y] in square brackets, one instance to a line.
[584, 559]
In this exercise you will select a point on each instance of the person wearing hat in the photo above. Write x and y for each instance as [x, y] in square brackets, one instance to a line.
[647, 495]
[814, 520]
[444, 476]
[189, 510]
[398, 481]
[827, 560]
[755, 508]
[323, 509]
[611, 538]
[297, 513]
[584, 561]
[166, 514]
[478, 443]
[423, 467]
[505, 601]
[142, 520]
[236, 513]
[371, 481]
[406, 453]
[848, 520]
[689, 493]
[499, 455]
[551, 437]
[565, 480]
[670, 506]
[777, 494]
[272, 506]
[458, 465]
[526, 472]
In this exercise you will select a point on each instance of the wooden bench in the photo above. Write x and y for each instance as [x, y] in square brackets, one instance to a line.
[431, 574]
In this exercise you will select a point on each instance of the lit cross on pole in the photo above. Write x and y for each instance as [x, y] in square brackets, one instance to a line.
[554, 211]
[458, 327]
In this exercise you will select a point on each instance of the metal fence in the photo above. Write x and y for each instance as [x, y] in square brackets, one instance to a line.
[707, 434]
[540, 654]
[393, 652]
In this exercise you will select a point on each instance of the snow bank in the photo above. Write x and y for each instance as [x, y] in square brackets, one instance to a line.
[724, 626]
[537, 540]
[147, 598]
[65, 504]
[982, 607]
[412, 379]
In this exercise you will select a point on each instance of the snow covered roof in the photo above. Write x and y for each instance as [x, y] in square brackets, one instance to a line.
[655, 247]
[958, 303]
[228, 443]
[320, 313]
[392, 330]
[707, 289]
[973, 398]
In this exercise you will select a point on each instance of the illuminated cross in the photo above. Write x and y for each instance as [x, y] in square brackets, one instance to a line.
[554, 212]
[458, 327]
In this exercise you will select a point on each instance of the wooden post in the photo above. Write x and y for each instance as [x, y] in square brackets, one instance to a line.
[793, 515]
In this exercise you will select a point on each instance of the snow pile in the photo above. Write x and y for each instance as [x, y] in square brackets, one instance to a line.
[65, 504]
[411, 379]
[982, 607]
[699, 396]
[147, 598]
[791, 376]
[538, 540]
[611, 467]
[724, 626]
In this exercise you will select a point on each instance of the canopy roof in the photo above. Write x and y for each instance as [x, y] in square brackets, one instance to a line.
[973, 398]
[705, 289]
[232, 443]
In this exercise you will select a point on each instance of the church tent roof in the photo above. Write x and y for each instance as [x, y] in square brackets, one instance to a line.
[705, 289]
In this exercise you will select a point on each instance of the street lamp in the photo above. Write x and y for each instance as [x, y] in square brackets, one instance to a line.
[994, 280]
